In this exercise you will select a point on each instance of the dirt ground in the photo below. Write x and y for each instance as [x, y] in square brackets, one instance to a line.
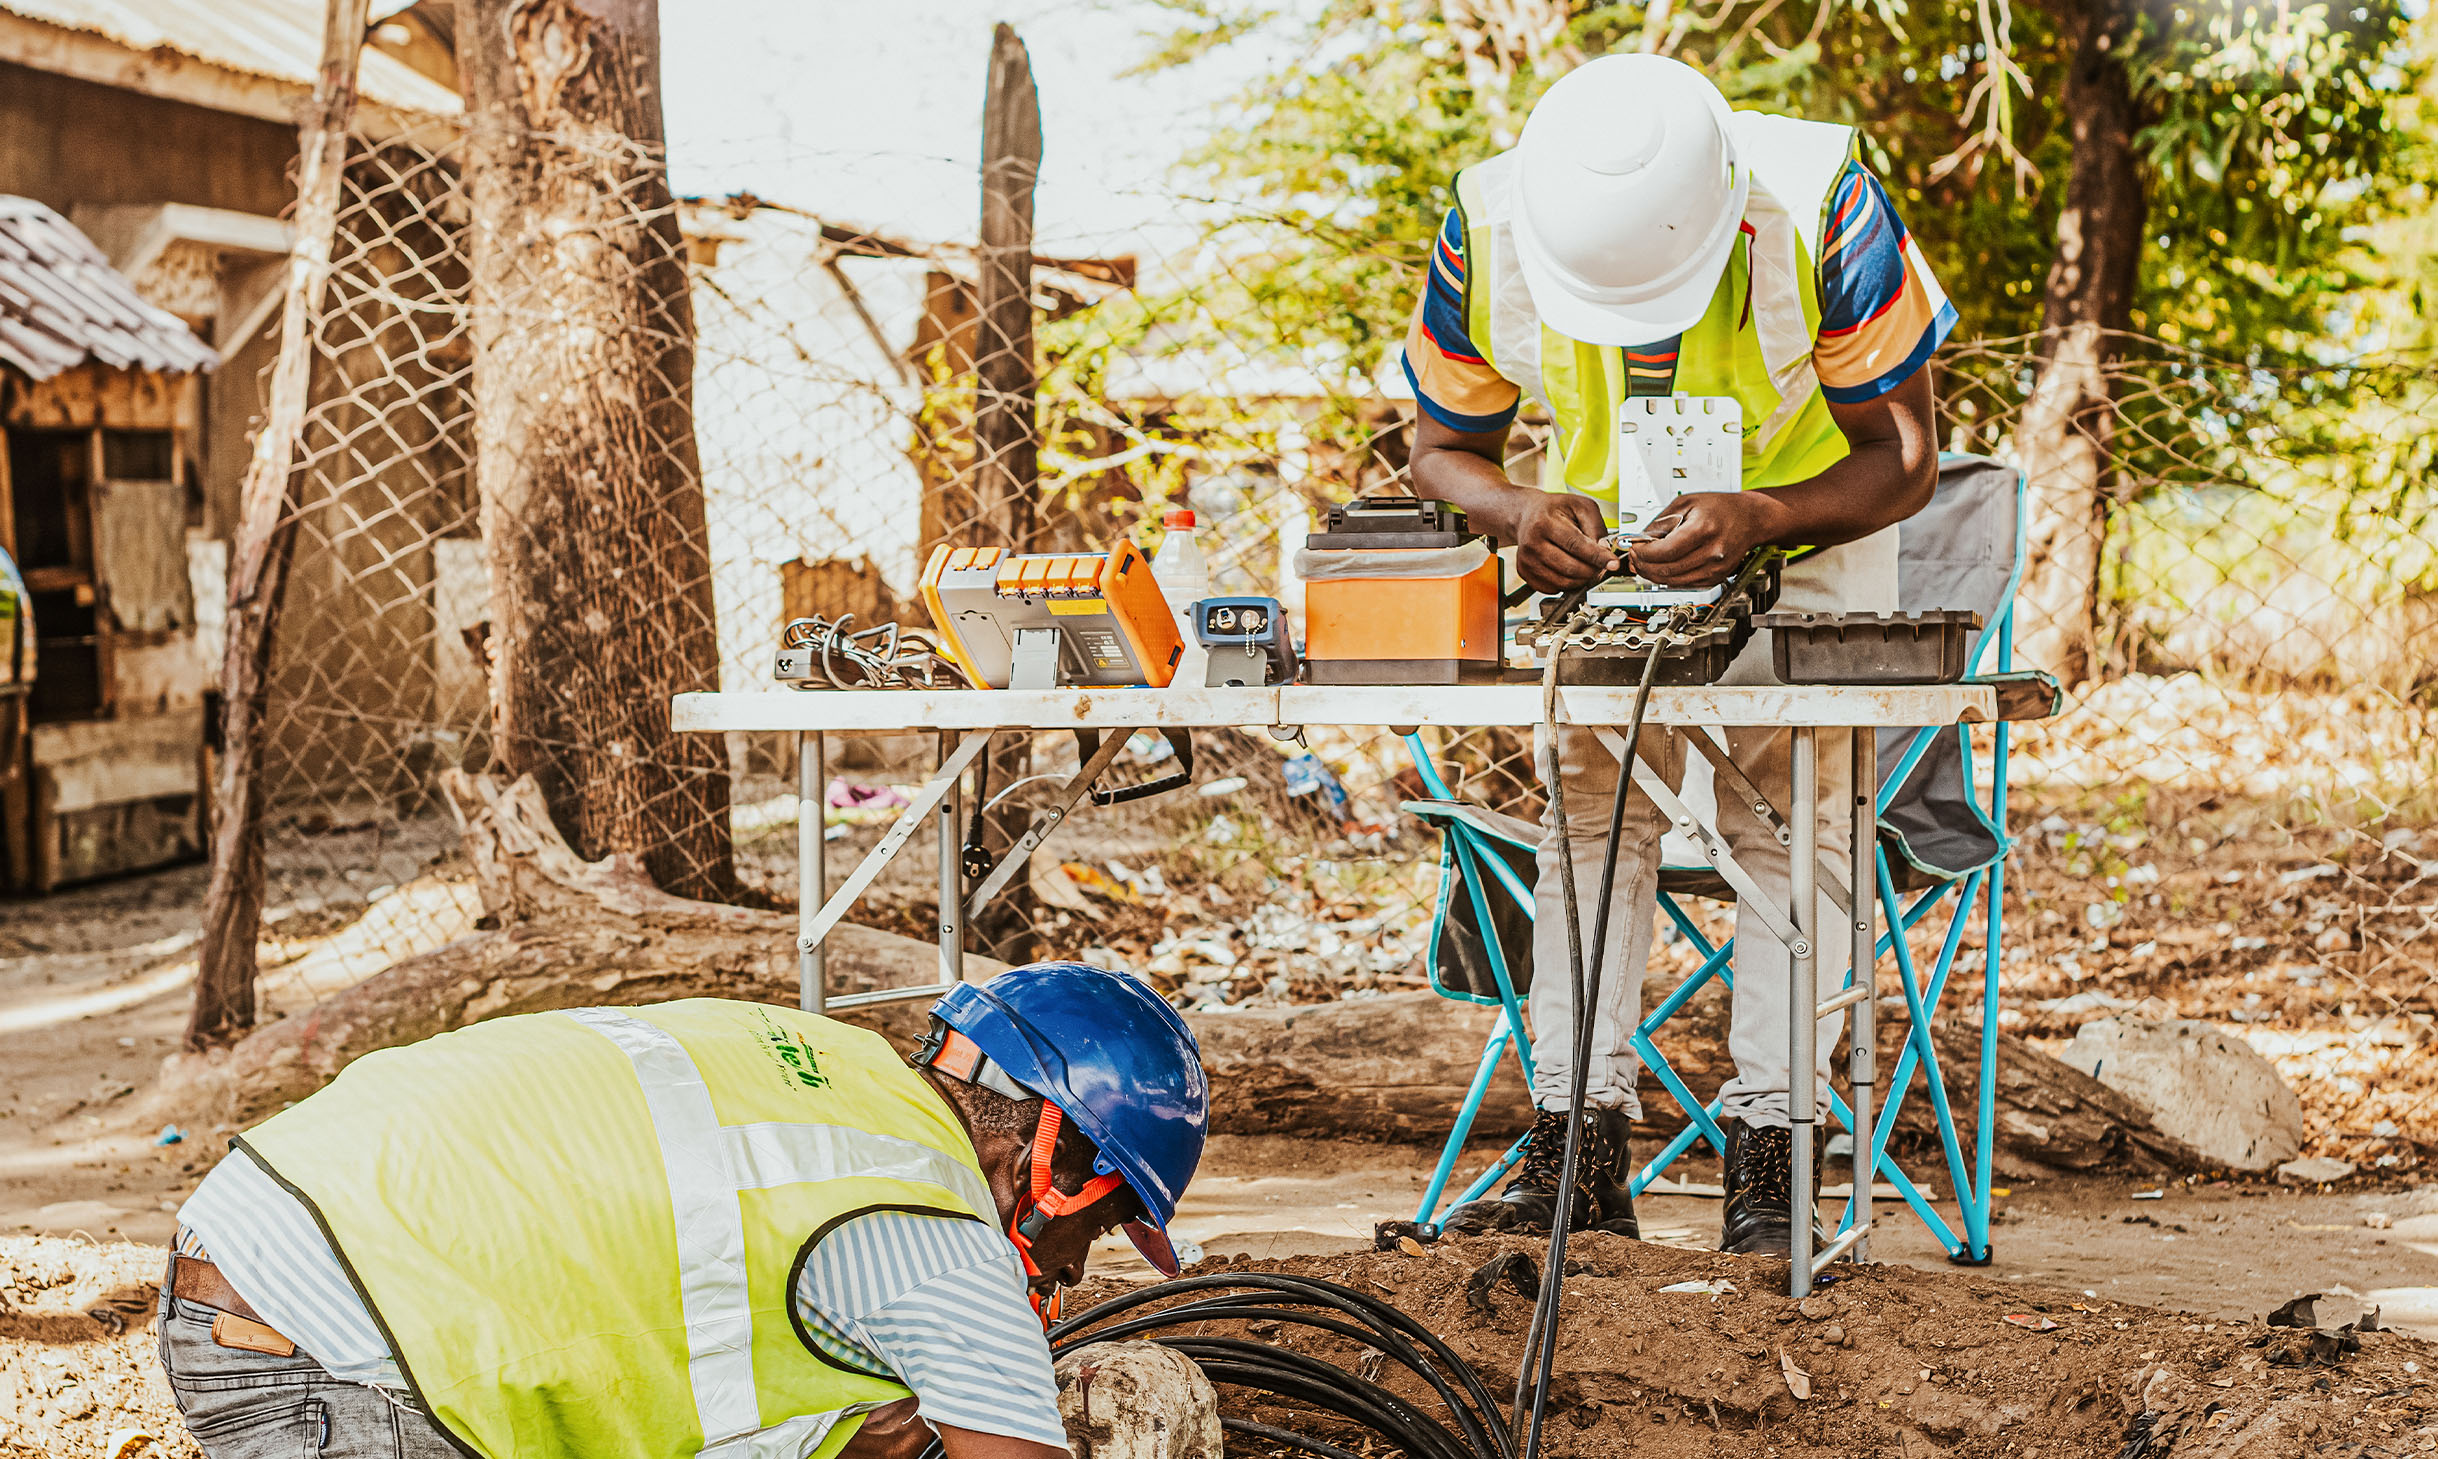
[94, 984]
[2190, 1274]
[1892, 1360]
[1887, 1361]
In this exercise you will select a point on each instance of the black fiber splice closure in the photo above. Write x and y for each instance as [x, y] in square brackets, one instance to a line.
[1470, 1430]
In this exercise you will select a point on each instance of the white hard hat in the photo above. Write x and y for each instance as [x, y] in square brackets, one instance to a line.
[1628, 197]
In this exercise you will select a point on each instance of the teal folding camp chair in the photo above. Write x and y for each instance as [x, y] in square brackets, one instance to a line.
[1940, 842]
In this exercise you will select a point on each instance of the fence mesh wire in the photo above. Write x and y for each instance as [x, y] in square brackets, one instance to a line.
[2230, 821]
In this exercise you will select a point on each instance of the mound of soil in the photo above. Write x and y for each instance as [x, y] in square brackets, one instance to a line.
[1895, 1362]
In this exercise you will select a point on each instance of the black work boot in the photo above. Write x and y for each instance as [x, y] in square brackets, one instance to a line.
[1758, 1219]
[1610, 1137]
[1530, 1202]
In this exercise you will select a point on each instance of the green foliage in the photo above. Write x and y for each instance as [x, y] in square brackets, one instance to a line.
[2266, 148]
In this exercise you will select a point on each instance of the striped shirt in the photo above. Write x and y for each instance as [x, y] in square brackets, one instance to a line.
[937, 1303]
[1881, 315]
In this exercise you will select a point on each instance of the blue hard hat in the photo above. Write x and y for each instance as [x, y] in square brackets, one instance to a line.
[1115, 1059]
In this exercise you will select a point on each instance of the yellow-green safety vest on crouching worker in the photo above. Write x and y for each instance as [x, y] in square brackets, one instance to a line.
[580, 1230]
[1757, 348]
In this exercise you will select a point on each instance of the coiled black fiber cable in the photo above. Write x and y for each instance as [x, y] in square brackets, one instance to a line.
[1471, 1428]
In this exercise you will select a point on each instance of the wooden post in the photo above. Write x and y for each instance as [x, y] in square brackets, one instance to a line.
[1007, 467]
[1006, 434]
[258, 557]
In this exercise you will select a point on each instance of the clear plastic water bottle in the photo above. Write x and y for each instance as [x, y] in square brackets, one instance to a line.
[1185, 578]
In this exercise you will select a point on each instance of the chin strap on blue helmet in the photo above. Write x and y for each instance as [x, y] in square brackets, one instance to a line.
[1105, 1053]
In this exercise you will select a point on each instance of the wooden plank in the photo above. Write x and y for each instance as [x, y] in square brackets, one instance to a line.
[172, 76]
[8, 488]
[97, 762]
[69, 400]
[1469, 704]
[1754, 704]
[888, 711]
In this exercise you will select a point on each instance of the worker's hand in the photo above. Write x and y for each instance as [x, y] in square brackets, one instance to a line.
[1561, 542]
[891, 1431]
[1707, 536]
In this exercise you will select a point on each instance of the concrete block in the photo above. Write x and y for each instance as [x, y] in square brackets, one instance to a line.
[2199, 1083]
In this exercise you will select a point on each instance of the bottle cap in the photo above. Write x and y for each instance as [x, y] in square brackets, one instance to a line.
[1178, 518]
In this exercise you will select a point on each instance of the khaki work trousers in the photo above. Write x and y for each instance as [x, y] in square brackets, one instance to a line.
[1859, 577]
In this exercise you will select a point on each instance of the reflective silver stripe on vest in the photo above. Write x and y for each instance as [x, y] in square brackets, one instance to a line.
[707, 1164]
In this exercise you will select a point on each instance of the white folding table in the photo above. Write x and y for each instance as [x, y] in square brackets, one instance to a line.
[956, 715]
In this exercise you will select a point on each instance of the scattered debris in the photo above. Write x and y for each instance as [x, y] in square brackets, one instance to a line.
[1511, 1267]
[1798, 1382]
[1711, 1287]
[2032, 1321]
[855, 804]
[2151, 1195]
[1310, 775]
[1391, 1235]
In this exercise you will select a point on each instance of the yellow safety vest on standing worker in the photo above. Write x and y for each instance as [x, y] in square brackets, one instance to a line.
[1754, 343]
[580, 1231]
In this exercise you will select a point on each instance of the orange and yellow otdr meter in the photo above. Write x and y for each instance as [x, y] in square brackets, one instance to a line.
[1052, 620]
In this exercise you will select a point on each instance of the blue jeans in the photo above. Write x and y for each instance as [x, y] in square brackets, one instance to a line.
[249, 1405]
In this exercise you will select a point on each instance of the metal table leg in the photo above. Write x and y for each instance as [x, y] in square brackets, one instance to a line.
[901, 830]
[1803, 997]
[812, 864]
[1862, 1058]
[952, 873]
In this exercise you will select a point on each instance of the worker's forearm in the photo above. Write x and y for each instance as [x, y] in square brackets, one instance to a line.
[1872, 488]
[1474, 485]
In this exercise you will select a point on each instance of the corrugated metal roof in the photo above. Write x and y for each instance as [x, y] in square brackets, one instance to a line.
[281, 39]
[61, 304]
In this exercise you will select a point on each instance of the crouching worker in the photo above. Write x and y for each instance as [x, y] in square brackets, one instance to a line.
[702, 1227]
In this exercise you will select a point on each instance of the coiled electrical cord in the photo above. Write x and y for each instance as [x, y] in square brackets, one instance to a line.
[884, 656]
[1470, 1430]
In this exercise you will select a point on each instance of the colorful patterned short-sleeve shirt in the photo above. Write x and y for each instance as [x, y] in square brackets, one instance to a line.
[1881, 314]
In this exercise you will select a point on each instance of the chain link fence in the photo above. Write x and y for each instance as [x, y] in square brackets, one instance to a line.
[2231, 822]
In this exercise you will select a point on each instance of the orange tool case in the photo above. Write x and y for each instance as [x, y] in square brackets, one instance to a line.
[1384, 628]
[1052, 620]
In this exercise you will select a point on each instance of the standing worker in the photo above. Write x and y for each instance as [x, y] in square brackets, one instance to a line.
[702, 1227]
[1644, 239]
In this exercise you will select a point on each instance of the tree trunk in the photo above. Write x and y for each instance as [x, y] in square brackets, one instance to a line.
[2069, 423]
[592, 497]
[1007, 466]
[258, 558]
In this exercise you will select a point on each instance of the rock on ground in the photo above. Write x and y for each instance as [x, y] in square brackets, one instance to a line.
[1137, 1400]
[2314, 1170]
[2200, 1084]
